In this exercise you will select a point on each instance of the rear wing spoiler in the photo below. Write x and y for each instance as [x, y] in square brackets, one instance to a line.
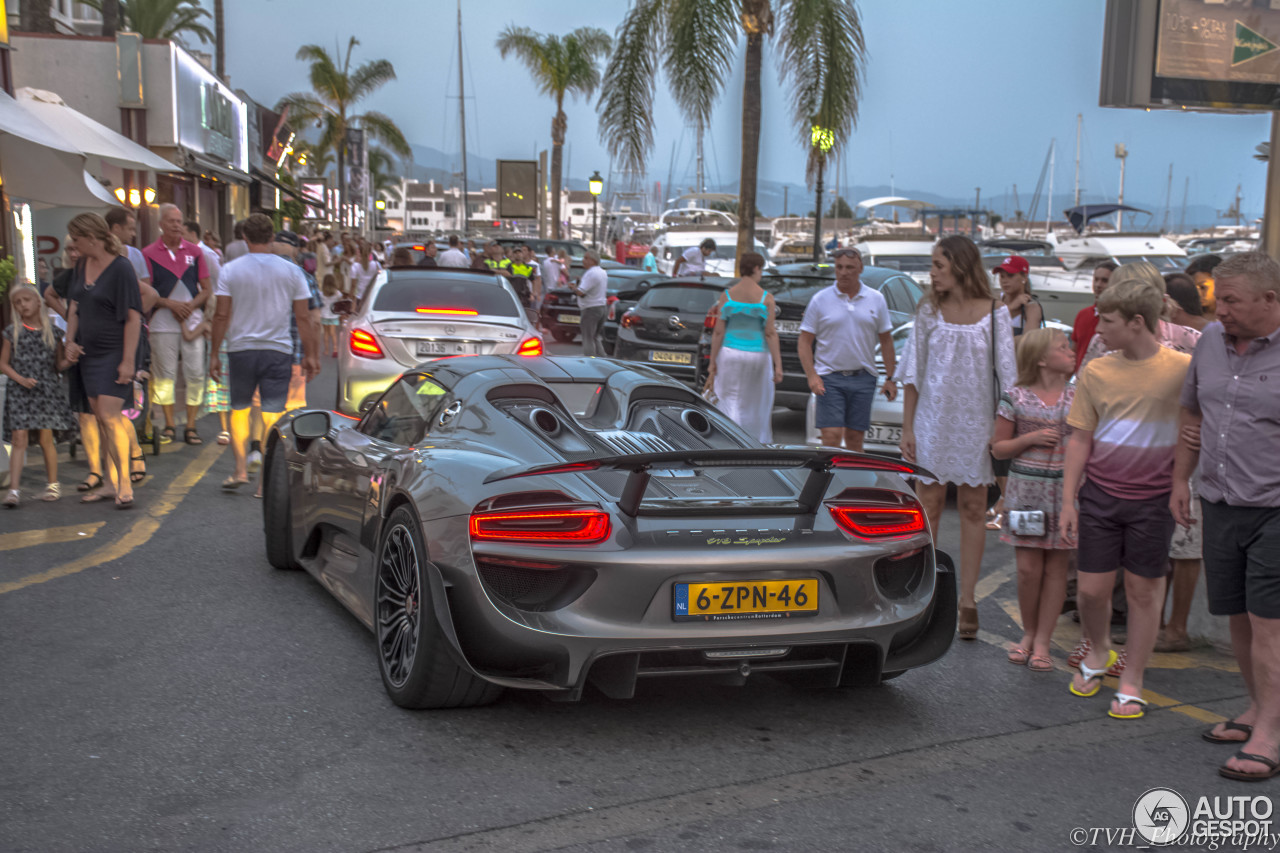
[819, 461]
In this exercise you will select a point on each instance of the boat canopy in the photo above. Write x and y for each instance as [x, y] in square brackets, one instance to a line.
[1085, 213]
[894, 201]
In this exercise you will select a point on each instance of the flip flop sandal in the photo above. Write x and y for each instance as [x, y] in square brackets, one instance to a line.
[138, 476]
[96, 497]
[1040, 663]
[1090, 674]
[1228, 726]
[224, 438]
[125, 503]
[1126, 699]
[1273, 768]
[1117, 668]
[231, 484]
[88, 486]
[1019, 656]
[191, 436]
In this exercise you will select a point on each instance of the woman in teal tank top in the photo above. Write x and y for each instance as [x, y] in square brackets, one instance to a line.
[746, 361]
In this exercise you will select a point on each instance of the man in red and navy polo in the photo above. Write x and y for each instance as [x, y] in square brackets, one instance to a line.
[181, 278]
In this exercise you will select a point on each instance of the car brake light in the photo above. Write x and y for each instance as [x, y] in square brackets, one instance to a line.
[531, 347]
[629, 320]
[709, 321]
[541, 526]
[613, 310]
[868, 463]
[880, 522]
[364, 344]
[456, 312]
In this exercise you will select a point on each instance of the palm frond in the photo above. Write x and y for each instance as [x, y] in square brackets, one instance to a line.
[626, 101]
[532, 51]
[303, 106]
[822, 56]
[370, 77]
[382, 128]
[702, 36]
[582, 50]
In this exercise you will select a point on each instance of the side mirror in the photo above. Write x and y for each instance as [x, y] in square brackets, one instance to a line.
[311, 425]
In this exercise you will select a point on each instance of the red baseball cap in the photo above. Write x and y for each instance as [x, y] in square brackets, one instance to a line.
[1014, 264]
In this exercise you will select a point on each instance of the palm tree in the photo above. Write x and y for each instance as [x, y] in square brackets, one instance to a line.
[312, 159]
[560, 65]
[821, 56]
[220, 33]
[336, 91]
[36, 16]
[160, 19]
[110, 17]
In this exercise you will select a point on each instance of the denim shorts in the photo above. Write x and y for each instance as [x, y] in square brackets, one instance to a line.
[847, 403]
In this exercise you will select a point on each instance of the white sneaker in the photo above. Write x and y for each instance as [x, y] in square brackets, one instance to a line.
[11, 499]
[255, 460]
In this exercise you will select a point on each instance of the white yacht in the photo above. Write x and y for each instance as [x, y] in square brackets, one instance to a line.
[909, 253]
[680, 228]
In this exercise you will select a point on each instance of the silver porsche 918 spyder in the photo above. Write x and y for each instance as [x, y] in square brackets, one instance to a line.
[547, 523]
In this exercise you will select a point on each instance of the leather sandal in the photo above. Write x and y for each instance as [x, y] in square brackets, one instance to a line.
[191, 436]
[137, 476]
[967, 624]
[90, 483]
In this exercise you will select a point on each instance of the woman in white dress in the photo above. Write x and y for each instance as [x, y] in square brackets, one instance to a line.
[746, 361]
[957, 361]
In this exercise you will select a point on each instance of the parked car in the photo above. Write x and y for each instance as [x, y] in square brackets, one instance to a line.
[664, 327]
[625, 289]
[413, 314]
[792, 286]
[545, 523]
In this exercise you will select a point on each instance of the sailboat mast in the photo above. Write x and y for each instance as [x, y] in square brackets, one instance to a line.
[1048, 208]
[701, 186]
[462, 124]
[1182, 220]
[1079, 122]
[1168, 199]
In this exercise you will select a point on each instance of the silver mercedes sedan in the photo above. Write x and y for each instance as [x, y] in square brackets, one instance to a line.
[410, 315]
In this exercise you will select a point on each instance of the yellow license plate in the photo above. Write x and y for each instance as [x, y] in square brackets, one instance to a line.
[573, 319]
[772, 599]
[671, 357]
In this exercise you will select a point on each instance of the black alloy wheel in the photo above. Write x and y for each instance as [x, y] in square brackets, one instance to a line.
[399, 605]
[417, 666]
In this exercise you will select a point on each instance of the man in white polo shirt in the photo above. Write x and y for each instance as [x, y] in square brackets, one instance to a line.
[694, 260]
[593, 301]
[837, 348]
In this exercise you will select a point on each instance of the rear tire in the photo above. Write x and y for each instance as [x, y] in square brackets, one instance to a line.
[563, 336]
[277, 515]
[413, 655]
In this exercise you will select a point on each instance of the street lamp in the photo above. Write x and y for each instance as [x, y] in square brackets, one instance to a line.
[596, 184]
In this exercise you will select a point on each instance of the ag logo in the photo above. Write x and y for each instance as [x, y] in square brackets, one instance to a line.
[1161, 816]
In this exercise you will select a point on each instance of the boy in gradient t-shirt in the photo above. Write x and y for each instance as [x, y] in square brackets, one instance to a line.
[1125, 421]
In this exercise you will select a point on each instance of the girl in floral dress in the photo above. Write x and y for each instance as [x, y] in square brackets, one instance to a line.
[35, 402]
[1031, 430]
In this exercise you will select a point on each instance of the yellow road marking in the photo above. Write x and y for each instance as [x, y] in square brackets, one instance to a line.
[141, 531]
[48, 536]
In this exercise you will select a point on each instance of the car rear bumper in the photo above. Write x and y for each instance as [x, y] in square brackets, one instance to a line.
[561, 651]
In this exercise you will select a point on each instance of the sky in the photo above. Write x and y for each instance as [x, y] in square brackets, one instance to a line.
[957, 94]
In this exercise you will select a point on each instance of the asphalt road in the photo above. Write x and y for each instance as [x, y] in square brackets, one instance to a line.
[163, 689]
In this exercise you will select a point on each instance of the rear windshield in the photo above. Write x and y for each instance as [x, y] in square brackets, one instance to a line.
[473, 294]
[681, 298]
[794, 288]
[905, 263]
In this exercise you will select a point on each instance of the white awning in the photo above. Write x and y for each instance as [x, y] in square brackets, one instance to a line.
[91, 137]
[41, 167]
[894, 201]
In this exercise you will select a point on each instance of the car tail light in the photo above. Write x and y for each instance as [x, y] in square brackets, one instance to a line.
[880, 521]
[630, 320]
[869, 463]
[530, 347]
[548, 526]
[453, 312]
[709, 321]
[613, 309]
[364, 344]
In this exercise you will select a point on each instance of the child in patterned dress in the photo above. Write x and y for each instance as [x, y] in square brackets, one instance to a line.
[35, 400]
[1031, 429]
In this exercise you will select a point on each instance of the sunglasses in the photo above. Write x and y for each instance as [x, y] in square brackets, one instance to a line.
[846, 253]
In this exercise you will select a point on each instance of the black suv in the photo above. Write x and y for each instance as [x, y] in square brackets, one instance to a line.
[792, 286]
